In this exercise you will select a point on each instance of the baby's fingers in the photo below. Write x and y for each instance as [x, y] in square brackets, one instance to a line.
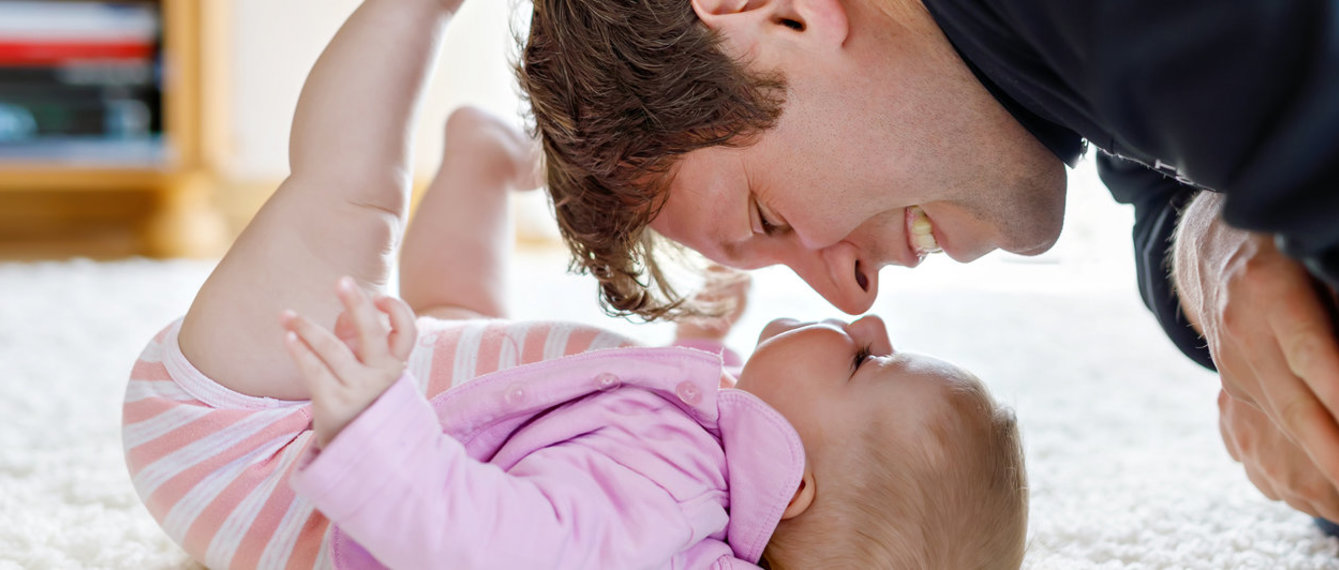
[315, 374]
[403, 331]
[322, 344]
[371, 331]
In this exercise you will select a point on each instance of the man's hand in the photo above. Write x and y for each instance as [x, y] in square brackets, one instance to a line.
[1271, 337]
[1280, 469]
[348, 369]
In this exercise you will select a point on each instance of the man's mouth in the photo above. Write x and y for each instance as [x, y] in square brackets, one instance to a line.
[921, 233]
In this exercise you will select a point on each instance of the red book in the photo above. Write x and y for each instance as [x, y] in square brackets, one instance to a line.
[45, 53]
[44, 33]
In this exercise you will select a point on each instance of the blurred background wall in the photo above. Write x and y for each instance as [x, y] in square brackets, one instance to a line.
[275, 43]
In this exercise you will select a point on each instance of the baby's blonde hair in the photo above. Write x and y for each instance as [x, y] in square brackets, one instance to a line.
[957, 503]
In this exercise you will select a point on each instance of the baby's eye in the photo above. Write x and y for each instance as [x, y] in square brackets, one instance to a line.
[860, 357]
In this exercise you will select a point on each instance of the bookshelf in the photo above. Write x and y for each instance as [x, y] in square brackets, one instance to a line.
[87, 135]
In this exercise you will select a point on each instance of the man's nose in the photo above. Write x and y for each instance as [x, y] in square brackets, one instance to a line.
[839, 274]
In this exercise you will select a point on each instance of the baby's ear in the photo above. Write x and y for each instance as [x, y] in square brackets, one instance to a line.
[804, 496]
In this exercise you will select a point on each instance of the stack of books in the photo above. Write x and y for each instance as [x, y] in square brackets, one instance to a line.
[80, 81]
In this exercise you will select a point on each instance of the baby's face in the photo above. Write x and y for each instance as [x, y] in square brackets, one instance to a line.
[829, 379]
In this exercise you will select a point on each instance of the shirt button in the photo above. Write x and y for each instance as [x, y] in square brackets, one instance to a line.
[606, 382]
[514, 395]
[688, 392]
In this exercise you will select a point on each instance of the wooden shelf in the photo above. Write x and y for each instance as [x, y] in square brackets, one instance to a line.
[178, 182]
[28, 178]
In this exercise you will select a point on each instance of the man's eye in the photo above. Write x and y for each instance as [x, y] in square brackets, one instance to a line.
[767, 226]
[860, 357]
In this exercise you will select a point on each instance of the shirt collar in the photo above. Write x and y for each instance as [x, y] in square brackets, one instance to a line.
[765, 461]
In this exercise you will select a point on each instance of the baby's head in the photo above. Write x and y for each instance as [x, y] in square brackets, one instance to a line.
[909, 462]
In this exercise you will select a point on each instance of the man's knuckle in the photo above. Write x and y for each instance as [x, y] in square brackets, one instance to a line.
[1299, 414]
[1306, 485]
[1273, 472]
[1304, 349]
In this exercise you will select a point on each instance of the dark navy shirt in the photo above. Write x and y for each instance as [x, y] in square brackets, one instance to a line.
[1239, 97]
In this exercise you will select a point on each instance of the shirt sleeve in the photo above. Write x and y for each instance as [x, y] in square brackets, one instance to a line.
[1242, 100]
[413, 498]
[1157, 201]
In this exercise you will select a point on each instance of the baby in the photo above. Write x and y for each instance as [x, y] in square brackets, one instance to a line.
[279, 426]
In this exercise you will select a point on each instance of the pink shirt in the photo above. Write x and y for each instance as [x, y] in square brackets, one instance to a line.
[619, 458]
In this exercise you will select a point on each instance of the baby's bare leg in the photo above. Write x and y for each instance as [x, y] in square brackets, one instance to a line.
[455, 255]
[340, 212]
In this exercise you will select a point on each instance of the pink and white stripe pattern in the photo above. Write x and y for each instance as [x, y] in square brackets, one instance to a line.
[212, 465]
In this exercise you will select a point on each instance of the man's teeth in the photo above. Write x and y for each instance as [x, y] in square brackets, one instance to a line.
[922, 232]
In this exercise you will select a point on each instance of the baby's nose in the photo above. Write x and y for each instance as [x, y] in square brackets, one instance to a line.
[871, 331]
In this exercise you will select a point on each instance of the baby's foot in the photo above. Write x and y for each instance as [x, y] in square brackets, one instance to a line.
[493, 146]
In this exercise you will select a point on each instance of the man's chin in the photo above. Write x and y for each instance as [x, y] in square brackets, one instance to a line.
[1036, 248]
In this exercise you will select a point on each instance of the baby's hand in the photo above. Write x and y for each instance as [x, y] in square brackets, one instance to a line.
[346, 373]
[727, 287]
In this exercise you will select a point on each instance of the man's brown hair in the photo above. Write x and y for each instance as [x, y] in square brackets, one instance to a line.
[620, 89]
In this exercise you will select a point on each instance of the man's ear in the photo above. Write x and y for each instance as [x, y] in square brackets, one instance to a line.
[823, 21]
[804, 496]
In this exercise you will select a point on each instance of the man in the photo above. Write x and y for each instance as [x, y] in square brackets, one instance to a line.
[839, 136]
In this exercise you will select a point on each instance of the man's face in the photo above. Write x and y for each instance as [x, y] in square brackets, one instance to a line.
[890, 124]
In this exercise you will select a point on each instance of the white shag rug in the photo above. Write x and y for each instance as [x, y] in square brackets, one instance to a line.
[1124, 458]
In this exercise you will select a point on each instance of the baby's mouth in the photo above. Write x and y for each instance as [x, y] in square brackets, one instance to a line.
[921, 231]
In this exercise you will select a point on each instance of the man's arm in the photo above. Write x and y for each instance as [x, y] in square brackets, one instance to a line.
[1244, 101]
[1273, 340]
[1157, 201]
[1282, 460]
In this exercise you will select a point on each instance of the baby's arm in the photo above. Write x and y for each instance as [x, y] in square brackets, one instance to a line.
[340, 212]
[346, 373]
[729, 289]
[413, 497]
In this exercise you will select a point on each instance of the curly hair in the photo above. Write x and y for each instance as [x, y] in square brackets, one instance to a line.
[619, 91]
